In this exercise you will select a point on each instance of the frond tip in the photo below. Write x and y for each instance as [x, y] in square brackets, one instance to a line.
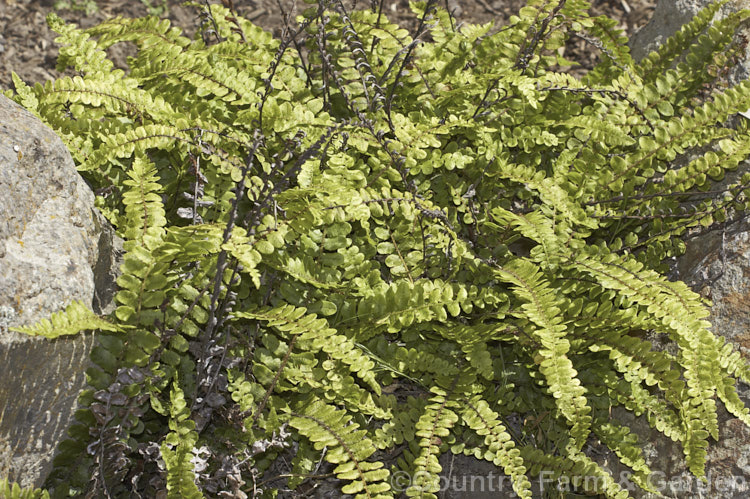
[347, 447]
[76, 318]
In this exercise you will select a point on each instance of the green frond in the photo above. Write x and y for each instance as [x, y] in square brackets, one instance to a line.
[661, 59]
[77, 50]
[177, 449]
[346, 446]
[76, 318]
[143, 284]
[25, 95]
[208, 77]
[534, 226]
[11, 490]
[625, 444]
[136, 140]
[672, 138]
[710, 51]
[731, 360]
[548, 190]
[681, 314]
[147, 32]
[399, 305]
[143, 205]
[434, 424]
[400, 428]
[541, 308]
[571, 472]
[603, 482]
[634, 358]
[110, 91]
[318, 336]
[401, 361]
[240, 247]
[614, 47]
[501, 449]
[635, 398]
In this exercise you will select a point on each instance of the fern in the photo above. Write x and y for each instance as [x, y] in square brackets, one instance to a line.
[501, 449]
[346, 446]
[11, 490]
[660, 60]
[435, 423]
[541, 309]
[355, 249]
[74, 319]
[177, 449]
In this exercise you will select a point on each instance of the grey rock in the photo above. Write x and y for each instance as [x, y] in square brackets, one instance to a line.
[55, 247]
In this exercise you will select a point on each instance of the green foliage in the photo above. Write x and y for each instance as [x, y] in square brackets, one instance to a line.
[74, 319]
[346, 446]
[352, 250]
[177, 449]
[12, 490]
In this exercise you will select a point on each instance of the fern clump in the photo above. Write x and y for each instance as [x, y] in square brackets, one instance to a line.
[356, 248]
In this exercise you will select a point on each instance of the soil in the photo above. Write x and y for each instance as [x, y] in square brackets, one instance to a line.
[27, 45]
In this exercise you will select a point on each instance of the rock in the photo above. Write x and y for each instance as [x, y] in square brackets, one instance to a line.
[54, 248]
